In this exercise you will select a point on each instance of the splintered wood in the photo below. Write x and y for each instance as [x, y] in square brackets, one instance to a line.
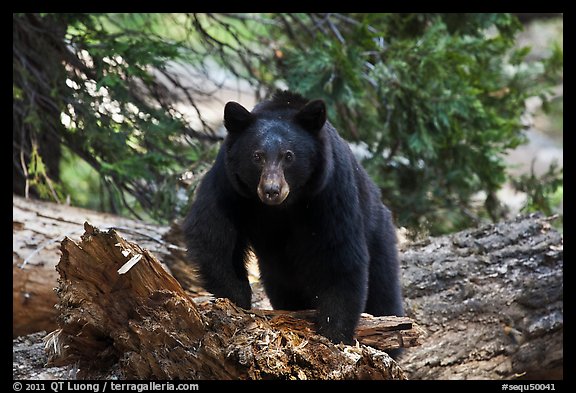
[38, 228]
[119, 309]
[490, 299]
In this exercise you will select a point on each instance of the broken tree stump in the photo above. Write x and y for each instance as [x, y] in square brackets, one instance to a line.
[120, 309]
[38, 227]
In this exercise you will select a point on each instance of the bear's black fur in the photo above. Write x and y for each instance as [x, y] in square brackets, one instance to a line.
[286, 185]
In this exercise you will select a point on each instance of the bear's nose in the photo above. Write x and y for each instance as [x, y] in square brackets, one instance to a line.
[272, 192]
[273, 189]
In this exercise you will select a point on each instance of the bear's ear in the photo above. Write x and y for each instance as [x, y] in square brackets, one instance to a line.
[236, 117]
[312, 116]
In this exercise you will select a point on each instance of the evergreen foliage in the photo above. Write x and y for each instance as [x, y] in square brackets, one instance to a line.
[434, 100]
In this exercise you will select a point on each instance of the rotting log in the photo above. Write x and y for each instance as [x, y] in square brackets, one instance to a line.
[119, 309]
[38, 227]
[489, 298]
[387, 332]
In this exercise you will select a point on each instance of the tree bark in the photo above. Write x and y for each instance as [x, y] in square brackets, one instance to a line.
[490, 299]
[120, 309]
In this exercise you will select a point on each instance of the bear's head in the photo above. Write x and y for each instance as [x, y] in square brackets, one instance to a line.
[274, 151]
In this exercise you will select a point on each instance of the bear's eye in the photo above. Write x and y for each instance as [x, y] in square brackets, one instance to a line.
[289, 156]
[257, 157]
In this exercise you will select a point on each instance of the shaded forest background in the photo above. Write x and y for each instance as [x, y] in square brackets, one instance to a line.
[122, 112]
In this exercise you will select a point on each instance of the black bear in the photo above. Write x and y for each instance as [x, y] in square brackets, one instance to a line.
[287, 186]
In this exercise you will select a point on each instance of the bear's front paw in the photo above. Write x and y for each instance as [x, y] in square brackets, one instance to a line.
[335, 333]
[243, 299]
[240, 295]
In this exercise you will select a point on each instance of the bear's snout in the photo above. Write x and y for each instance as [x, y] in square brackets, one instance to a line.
[272, 188]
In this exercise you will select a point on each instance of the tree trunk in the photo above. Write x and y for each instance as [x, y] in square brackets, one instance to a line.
[120, 309]
[38, 80]
[491, 301]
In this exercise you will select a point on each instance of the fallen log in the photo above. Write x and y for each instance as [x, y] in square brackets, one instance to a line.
[119, 309]
[387, 332]
[38, 227]
[491, 300]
